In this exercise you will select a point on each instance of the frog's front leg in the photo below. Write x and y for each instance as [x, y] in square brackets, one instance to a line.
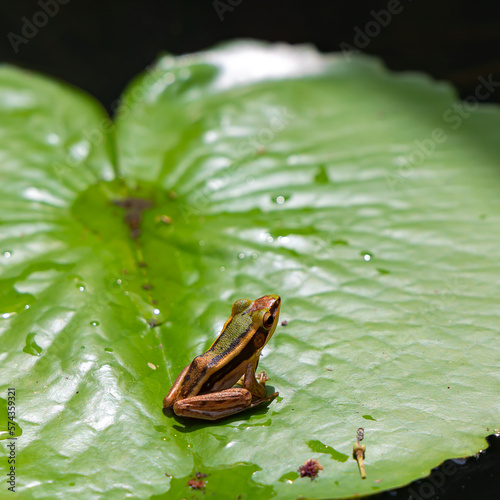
[262, 378]
[256, 386]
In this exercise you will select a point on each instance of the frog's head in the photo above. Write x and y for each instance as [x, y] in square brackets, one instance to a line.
[264, 314]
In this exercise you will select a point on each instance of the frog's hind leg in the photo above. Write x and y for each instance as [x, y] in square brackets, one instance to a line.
[215, 405]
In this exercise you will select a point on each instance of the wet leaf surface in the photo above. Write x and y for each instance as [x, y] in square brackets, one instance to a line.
[368, 201]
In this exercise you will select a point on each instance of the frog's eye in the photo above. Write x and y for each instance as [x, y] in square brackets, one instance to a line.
[268, 320]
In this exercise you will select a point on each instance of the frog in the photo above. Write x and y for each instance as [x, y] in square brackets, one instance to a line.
[223, 381]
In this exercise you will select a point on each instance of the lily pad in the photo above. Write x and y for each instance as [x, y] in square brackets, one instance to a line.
[367, 200]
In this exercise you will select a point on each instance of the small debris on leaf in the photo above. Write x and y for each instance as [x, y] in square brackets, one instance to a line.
[358, 452]
[310, 468]
[284, 322]
[165, 219]
[198, 483]
[147, 286]
[153, 367]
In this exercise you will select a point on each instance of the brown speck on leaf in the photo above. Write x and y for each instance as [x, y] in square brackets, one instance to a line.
[310, 468]
[197, 484]
[201, 475]
[147, 286]
[284, 322]
[154, 301]
[153, 322]
[165, 219]
[360, 434]
[172, 195]
[142, 264]
[133, 213]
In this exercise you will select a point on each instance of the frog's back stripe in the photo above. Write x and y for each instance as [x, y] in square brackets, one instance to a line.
[204, 365]
[234, 333]
[244, 355]
[238, 329]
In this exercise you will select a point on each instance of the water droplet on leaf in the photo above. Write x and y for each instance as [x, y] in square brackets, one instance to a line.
[367, 256]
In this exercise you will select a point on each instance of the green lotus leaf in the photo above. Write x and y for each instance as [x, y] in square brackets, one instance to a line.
[367, 200]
